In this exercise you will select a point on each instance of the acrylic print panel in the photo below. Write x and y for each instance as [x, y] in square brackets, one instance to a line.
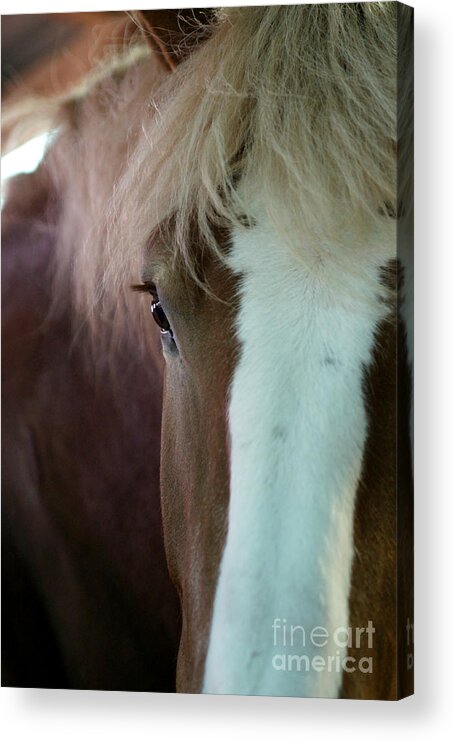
[207, 351]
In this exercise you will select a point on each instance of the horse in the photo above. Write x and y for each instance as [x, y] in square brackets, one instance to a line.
[222, 504]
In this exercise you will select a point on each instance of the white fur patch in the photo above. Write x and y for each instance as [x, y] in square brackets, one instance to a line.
[298, 427]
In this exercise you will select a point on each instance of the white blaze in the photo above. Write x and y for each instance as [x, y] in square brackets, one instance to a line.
[298, 428]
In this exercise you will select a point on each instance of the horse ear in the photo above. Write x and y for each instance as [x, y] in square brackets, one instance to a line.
[173, 34]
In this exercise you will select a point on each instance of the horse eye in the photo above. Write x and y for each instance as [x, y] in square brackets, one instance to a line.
[160, 318]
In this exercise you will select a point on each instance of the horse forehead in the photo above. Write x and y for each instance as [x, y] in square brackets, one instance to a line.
[287, 252]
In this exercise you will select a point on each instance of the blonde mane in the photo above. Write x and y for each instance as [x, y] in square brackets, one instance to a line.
[298, 102]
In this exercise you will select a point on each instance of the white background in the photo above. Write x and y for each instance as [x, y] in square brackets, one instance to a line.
[75, 715]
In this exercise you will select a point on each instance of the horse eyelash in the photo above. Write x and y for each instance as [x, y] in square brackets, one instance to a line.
[148, 287]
